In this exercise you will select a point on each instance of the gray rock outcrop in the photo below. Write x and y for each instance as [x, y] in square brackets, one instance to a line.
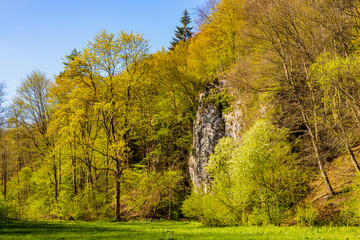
[234, 121]
[221, 113]
[209, 127]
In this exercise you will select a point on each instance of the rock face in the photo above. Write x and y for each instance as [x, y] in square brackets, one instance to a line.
[234, 122]
[209, 127]
[212, 123]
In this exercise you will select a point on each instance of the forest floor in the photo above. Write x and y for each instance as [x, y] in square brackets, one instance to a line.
[164, 230]
[341, 173]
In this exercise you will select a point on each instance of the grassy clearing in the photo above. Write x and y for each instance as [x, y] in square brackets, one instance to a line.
[164, 230]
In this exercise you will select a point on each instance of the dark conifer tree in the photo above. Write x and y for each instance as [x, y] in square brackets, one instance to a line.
[184, 32]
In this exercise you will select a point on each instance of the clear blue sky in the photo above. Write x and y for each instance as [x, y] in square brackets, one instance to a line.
[37, 34]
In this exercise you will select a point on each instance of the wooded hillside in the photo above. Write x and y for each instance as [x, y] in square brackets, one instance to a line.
[111, 136]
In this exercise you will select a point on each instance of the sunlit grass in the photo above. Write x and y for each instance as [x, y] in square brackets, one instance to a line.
[164, 230]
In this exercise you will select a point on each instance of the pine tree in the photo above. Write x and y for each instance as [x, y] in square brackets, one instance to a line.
[184, 32]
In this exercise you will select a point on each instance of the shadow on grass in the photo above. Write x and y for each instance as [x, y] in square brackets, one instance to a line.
[58, 230]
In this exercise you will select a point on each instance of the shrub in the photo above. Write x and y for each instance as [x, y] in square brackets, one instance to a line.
[307, 215]
[3, 210]
[255, 181]
[150, 194]
[350, 214]
[209, 210]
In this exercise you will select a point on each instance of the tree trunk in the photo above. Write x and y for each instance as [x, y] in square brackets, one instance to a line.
[107, 175]
[348, 148]
[59, 182]
[4, 174]
[55, 181]
[352, 157]
[117, 200]
[89, 179]
[117, 191]
[324, 176]
[82, 179]
[314, 137]
[73, 161]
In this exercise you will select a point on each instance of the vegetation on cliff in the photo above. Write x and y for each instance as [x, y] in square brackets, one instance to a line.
[111, 136]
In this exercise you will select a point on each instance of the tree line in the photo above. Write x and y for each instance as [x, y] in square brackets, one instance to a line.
[111, 135]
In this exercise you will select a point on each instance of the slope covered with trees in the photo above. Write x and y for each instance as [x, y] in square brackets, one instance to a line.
[111, 136]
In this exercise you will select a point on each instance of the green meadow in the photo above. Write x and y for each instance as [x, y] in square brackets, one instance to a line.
[164, 230]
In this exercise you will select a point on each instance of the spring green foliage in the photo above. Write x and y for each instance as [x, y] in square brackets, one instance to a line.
[215, 48]
[257, 180]
[351, 212]
[150, 194]
[111, 136]
[4, 210]
[337, 79]
[307, 215]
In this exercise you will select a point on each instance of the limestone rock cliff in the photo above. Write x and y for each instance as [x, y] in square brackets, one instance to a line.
[222, 112]
[212, 123]
[234, 121]
[209, 127]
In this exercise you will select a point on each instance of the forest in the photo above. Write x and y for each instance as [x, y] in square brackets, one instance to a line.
[111, 136]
